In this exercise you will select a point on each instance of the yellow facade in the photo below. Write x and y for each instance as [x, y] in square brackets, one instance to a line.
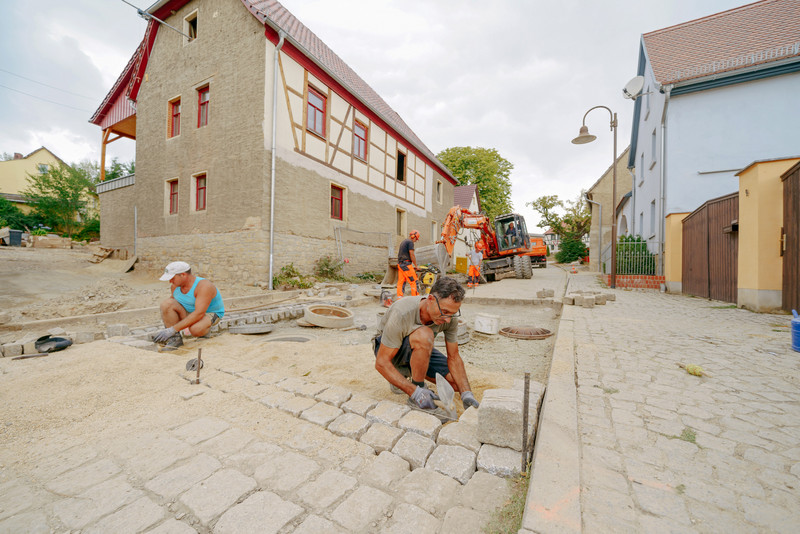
[14, 174]
[760, 277]
[673, 251]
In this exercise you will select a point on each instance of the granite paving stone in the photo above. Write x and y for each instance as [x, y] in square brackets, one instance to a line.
[311, 389]
[387, 412]
[321, 414]
[363, 507]
[274, 399]
[263, 512]
[137, 516]
[172, 483]
[410, 519]
[414, 448]
[433, 492]
[200, 430]
[217, 493]
[349, 425]
[422, 423]
[484, 492]
[499, 461]
[453, 461]
[28, 522]
[314, 524]
[385, 470]
[94, 503]
[328, 488]
[227, 443]
[172, 526]
[459, 520]
[79, 479]
[461, 434]
[296, 405]
[334, 395]
[359, 404]
[381, 437]
[285, 472]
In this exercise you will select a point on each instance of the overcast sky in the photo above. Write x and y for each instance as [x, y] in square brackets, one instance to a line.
[514, 75]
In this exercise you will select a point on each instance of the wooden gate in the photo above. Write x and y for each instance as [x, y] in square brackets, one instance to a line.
[791, 238]
[711, 248]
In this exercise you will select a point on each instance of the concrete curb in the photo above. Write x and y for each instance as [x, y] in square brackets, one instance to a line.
[553, 501]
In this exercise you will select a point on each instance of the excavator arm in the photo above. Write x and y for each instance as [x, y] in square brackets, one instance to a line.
[458, 219]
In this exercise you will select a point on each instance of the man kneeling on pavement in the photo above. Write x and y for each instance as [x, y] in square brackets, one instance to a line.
[194, 307]
[404, 344]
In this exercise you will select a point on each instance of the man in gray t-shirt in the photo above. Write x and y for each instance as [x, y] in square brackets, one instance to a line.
[405, 341]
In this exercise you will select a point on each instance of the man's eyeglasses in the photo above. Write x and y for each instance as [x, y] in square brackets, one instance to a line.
[446, 315]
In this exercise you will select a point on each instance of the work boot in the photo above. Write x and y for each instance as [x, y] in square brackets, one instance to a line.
[173, 343]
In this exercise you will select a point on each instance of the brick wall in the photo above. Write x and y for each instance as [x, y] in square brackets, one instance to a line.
[637, 281]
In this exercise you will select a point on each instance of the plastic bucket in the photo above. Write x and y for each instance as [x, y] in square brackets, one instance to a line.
[487, 323]
[796, 331]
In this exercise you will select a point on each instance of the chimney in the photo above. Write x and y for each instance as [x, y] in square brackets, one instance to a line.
[17, 155]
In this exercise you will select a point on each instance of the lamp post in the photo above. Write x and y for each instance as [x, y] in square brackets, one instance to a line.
[585, 137]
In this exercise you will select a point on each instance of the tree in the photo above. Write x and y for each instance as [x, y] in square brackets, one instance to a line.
[118, 169]
[573, 224]
[58, 196]
[12, 216]
[485, 168]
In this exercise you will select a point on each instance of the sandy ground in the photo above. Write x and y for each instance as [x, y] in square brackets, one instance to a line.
[104, 388]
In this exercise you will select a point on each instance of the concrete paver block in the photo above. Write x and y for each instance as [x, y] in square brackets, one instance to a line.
[499, 461]
[410, 519]
[296, 405]
[387, 412]
[420, 422]
[381, 437]
[359, 404]
[292, 384]
[364, 506]
[460, 434]
[114, 330]
[459, 520]
[12, 349]
[453, 461]
[485, 492]
[311, 389]
[200, 430]
[94, 503]
[433, 492]
[500, 416]
[588, 301]
[610, 297]
[172, 483]
[349, 425]
[328, 488]
[273, 400]
[80, 479]
[569, 300]
[321, 414]
[135, 517]
[314, 524]
[84, 337]
[334, 395]
[262, 512]
[414, 448]
[285, 472]
[217, 493]
[385, 470]
[228, 442]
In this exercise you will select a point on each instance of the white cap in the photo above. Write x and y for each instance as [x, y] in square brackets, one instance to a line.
[176, 267]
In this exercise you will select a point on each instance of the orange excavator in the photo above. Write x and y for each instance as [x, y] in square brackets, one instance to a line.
[506, 245]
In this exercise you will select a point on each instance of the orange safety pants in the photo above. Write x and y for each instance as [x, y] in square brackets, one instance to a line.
[473, 275]
[406, 273]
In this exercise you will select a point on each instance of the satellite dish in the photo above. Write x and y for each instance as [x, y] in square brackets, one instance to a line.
[633, 88]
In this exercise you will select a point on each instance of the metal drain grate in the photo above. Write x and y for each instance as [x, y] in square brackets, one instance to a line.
[525, 332]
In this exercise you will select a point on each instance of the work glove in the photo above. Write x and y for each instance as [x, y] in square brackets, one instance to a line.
[468, 399]
[163, 335]
[424, 397]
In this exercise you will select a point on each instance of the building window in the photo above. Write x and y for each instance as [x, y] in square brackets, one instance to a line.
[434, 232]
[653, 149]
[200, 192]
[315, 121]
[43, 168]
[337, 203]
[360, 141]
[203, 98]
[652, 217]
[173, 196]
[401, 167]
[175, 118]
[190, 27]
[439, 191]
[401, 222]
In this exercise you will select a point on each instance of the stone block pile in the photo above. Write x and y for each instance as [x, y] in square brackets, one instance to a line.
[588, 299]
[488, 439]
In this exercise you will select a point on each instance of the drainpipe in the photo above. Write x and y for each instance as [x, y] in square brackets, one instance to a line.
[274, 147]
[663, 148]
[600, 235]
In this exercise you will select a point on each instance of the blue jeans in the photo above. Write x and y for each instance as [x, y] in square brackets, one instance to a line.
[437, 363]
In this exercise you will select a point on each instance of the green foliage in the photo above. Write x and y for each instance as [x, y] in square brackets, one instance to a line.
[12, 216]
[368, 277]
[575, 220]
[90, 230]
[485, 168]
[118, 169]
[58, 196]
[633, 256]
[329, 268]
[39, 231]
[290, 278]
[571, 249]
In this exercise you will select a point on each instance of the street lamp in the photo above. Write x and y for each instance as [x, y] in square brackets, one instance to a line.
[585, 137]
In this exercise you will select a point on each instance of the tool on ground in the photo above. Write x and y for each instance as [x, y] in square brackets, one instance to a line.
[525, 400]
[693, 369]
[446, 396]
[195, 364]
[45, 345]
[386, 298]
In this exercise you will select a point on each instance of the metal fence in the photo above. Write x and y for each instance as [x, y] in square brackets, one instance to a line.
[634, 256]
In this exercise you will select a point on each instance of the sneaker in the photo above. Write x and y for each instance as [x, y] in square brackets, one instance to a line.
[215, 320]
[173, 343]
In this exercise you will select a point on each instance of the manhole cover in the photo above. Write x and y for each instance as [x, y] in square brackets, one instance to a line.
[525, 332]
[289, 339]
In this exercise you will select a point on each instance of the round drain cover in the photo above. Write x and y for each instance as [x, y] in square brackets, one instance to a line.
[289, 339]
[525, 332]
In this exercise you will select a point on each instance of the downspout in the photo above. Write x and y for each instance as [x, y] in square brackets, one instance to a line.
[274, 147]
[663, 148]
[600, 234]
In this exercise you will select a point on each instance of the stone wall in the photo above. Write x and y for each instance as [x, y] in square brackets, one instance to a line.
[117, 218]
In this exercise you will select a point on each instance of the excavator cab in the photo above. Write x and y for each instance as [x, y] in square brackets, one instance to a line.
[511, 232]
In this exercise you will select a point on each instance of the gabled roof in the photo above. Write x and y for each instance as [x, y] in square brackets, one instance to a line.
[462, 196]
[750, 35]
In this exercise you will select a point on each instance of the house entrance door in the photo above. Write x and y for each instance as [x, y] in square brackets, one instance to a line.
[791, 239]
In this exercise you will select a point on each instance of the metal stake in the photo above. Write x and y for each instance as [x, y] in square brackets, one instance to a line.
[525, 399]
[199, 365]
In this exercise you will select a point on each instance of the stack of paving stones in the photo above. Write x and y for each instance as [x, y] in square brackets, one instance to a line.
[588, 298]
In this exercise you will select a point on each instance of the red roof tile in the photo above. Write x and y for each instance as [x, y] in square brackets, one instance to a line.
[462, 195]
[749, 35]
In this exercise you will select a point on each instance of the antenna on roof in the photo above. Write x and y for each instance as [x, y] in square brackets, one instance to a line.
[147, 16]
